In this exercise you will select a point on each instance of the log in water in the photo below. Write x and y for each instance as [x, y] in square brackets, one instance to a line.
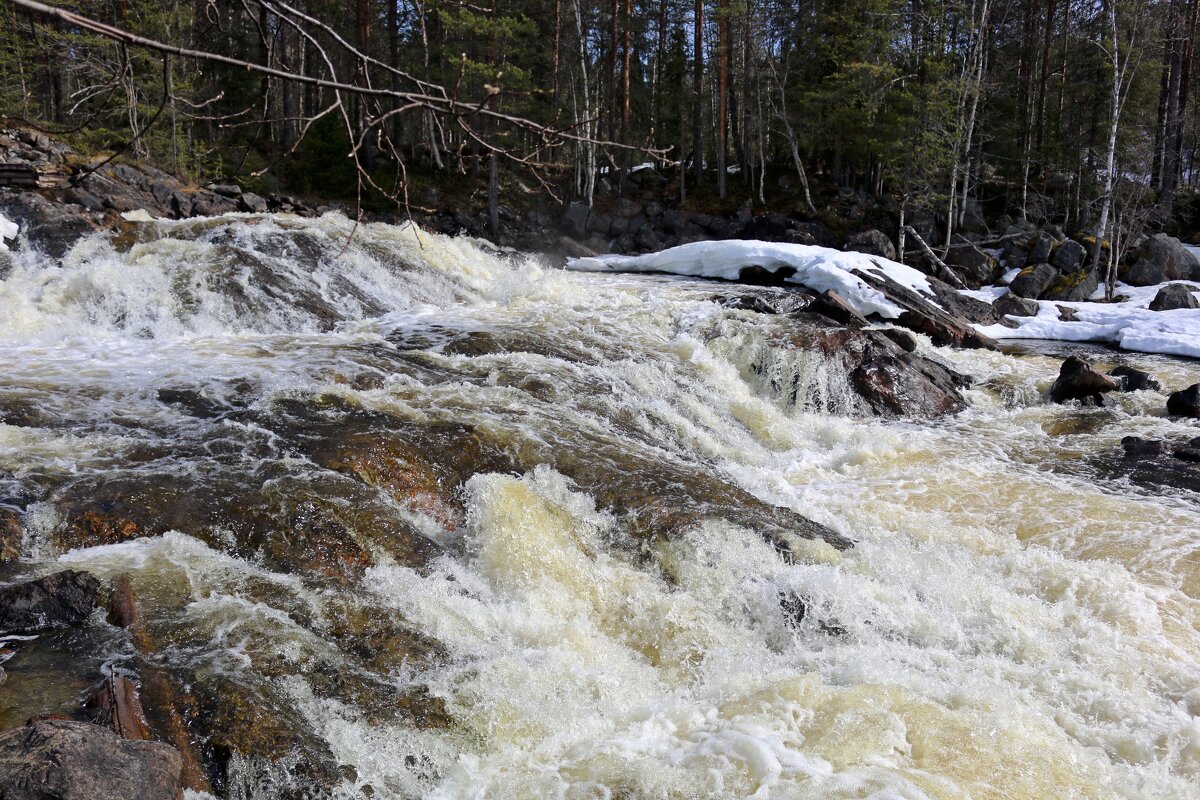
[414, 515]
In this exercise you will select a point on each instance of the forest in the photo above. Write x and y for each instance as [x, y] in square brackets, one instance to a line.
[1074, 112]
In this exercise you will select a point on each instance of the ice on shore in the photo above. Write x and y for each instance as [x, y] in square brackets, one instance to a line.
[817, 268]
[8, 230]
[1129, 324]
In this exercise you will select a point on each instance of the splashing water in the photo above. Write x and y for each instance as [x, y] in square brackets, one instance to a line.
[1008, 623]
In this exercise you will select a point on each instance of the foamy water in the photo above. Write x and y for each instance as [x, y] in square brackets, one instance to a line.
[1007, 624]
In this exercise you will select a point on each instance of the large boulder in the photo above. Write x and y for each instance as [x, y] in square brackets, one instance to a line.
[1032, 281]
[973, 265]
[55, 601]
[1069, 256]
[1185, 402]
[1161, 258]
[55, 759]
[1134, 380]
[1013, 305]
[1072, 287]
[873, 242]
[1079, 380]
[1175, 296]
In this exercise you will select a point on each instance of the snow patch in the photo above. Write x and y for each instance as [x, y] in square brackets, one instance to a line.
[8, 230]
[1129, 324]
[817, 268]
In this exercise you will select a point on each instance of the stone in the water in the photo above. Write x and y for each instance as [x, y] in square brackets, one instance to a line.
[12, 531]
[1134, 380]
[905, 340]
[1137, 447]
[54, 759]
[1185, 402]
[1078, 380]
[1187, 453]
[55, 601]
[117, 706]
[1016, 306]
[1174, 296]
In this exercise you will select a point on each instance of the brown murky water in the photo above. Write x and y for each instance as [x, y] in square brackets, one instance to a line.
[416, 519]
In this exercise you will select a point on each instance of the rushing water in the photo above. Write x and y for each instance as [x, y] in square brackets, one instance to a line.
[1012, 621]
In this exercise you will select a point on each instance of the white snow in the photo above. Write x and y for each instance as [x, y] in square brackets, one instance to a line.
[1129, 324]
[8, 230]
[818, 268]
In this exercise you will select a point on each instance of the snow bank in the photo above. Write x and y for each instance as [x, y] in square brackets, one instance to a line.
[1130, 324]
[8, 230]
[817, 268]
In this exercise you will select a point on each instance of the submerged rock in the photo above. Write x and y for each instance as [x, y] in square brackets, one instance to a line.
[1185, 402]
[1079, 380]
[67, 760]
[1174, 296]
[55, 601]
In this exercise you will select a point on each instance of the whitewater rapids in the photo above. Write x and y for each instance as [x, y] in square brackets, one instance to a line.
[1006, 625]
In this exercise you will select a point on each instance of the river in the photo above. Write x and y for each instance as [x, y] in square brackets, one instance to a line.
[1012, 620]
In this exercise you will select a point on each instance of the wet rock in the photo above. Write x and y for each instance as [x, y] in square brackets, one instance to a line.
[12, 531]
[795, 610]
[67, 760]
[1161, 258]
[55, 601]
[194, 402]
[920, 315]
[1014, 305]
[766, 302]
[52, 228]
[1137, 447]
[1069, 256]
[832, 306]
[1079, 380]
[755, 275]
[873, 242]
[1188, 453]
[903, 339]
[1175, 296]
[1185, 403]
[1073, 287]
[957, 304]
[1032, 281]
[1134, 380]
[890, 381]
[117, 706]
